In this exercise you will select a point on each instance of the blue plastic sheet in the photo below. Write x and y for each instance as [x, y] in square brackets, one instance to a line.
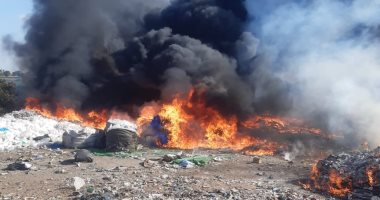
[3, 130]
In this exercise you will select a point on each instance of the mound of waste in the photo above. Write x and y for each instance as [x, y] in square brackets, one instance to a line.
[26, 128]
[349, 176]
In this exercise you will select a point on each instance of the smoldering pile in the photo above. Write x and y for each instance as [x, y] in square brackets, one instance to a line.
[350, 176]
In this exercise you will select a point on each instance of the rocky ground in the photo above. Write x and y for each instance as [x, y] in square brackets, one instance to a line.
[126, 176]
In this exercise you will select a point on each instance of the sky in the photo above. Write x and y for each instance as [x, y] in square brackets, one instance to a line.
[12, 16]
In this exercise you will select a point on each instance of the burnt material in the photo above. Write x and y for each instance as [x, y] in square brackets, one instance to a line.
[349, 176]
[121, 140]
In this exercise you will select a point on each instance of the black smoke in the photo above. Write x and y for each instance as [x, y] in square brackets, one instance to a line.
[124, 53]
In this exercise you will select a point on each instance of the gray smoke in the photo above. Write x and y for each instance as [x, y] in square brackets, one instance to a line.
[327, 53]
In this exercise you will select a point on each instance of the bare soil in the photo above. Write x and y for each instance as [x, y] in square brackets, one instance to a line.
[234, 177]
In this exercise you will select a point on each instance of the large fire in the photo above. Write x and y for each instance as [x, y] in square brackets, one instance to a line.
[90, 118]
[187, 123]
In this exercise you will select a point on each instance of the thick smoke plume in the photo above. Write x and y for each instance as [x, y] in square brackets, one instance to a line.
[328, 54]
[117, 53]
[313, 59]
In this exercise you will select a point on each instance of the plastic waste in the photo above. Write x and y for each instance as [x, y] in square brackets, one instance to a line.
[83, 155]
[186, 164]
[19, 166]
[197, 160]
[3, 130]
[19, 128]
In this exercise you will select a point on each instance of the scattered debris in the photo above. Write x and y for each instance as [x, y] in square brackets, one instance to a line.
[149, 163]
[19, 165]
[170, 157]
[288, 157]
[61, 171]
[218, 159]
[186, 164]
[256, 160]
[197, 160]
[83, 155]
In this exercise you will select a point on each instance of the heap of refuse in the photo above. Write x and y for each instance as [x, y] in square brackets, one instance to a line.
[26, 128]
[29, 129]
[350, 176]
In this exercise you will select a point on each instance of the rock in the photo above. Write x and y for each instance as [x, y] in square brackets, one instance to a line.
[78, 183]
[61, 171]
[19, 166]
[83, 155]
[186, 164]
[256, 160]
[375, 198]
[218, 159]
[107, 178]
[260, 173]
[149, 163]
[169, 157]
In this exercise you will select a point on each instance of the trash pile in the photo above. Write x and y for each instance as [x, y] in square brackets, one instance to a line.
[26, 128]
[29, 129]
[351, 176]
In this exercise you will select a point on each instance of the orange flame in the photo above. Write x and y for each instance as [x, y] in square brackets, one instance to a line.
[280, 124]
[188, 130]
[371, 176]
[191, 124]
[91, 119]
[338, 186]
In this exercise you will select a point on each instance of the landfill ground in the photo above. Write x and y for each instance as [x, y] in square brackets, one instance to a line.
[227, 176]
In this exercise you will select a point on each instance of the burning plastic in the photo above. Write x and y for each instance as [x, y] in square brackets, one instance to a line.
[356, 175]
[188, 123]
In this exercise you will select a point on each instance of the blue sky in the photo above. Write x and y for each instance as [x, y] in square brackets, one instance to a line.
[12, 16]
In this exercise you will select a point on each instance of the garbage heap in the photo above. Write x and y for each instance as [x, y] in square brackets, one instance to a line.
[118, 135]
[29, 129]
[26, 128]
[349, 176]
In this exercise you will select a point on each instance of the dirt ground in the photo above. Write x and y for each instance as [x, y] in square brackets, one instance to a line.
[228, 176]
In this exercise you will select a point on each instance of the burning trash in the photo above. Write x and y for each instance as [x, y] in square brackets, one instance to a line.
[355, 175]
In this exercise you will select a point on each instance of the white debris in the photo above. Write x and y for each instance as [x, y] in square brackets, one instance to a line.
[120, 124]
[78, 183]
[85, 138]
[288, 156]
[17, 129]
